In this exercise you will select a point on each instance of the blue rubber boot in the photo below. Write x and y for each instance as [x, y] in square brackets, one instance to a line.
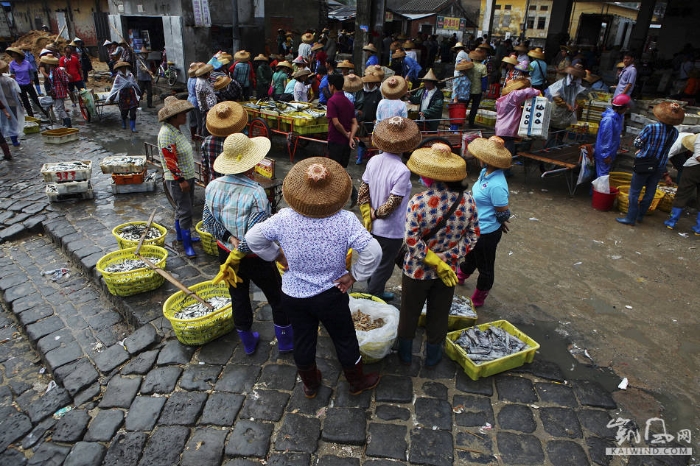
[187, 244]
[361, 150]
[405, 351]
[178, 231]
[285, 338]
[673, 218]
[696, 227]
[38, 89]
[15, 141]
[123, 121]
[132, 124]
[433, 354]
[249, 340]
[632, 215]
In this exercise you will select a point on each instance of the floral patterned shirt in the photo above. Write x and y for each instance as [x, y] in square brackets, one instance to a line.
[452, 243]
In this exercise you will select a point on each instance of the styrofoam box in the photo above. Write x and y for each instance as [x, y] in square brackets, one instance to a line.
[137, 166]
[72, 187]
[56, 197]
[146, 186]
[633, 130]
[534, 121]
[51, 175]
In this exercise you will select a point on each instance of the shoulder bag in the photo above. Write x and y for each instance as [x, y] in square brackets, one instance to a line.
[648, 165]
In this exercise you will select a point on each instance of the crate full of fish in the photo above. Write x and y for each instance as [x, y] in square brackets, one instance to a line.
[60, 172]
[123, 164]
[462, 314]
[129, 234]
[491, 348]
[196, 324]
[376, 325]
[52, 192]
[207, 239]
[125, 274]
[60, 135]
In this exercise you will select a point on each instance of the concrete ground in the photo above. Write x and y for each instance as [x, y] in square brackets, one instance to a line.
[604, 301]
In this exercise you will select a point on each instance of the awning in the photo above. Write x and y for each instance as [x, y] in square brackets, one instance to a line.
[413, 16]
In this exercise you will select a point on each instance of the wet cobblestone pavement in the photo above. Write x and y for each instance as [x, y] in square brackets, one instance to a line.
[139, 397]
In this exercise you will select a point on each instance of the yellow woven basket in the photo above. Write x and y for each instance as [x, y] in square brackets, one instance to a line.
[623, 199]
[126, 243]
[208, 240]
[134, 281]
[618, 179]
[203, 329]
[666, 203]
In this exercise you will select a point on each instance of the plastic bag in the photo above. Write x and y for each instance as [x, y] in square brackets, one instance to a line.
[602, 184]
[587, 164]
[376, 343]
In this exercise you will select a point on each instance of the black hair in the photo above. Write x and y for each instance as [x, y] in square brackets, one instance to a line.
[331, 62]
[457, 186]
[336, 80]
[321, 70]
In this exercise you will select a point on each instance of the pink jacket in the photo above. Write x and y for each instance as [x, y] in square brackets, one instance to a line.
[509, 110]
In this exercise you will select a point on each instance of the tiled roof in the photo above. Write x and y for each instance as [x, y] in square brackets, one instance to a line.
[419, 6]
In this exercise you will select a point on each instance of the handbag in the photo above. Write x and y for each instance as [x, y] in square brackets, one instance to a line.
[404, 249]
[646, 166]
[271, 90]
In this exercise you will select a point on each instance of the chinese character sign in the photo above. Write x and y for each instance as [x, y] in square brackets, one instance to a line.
[202, 17]
[447, 22]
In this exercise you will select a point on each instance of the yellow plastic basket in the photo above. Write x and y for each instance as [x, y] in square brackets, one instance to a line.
[134, 281]
[486, 369]
[618, 179]
[454, 322]
[126, 243]
[208, 240]
[623, 199]
[666, 203]
[203, 329]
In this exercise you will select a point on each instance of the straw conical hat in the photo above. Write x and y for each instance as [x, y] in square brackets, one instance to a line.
[429, 76]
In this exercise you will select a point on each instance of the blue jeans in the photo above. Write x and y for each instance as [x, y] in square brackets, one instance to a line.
[638, 209]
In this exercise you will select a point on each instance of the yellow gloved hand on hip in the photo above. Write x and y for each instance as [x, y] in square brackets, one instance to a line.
[228, 271]
[444, 271]
[366, 211]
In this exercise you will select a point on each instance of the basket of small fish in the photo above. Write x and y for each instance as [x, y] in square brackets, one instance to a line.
[195, 324]
[376, 325]
[207, 239]
[666, 202]
[129, 234]
[126, 275]
[462, 314]
[490, 348]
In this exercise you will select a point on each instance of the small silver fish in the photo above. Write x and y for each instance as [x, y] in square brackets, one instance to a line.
[198, 309]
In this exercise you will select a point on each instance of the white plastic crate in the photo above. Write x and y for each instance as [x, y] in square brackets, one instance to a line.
[146, 186]
[54, 196]
[121, 164]
[632, 130]
[54, 173]
[534, 121]
[72, 187]
[60, 135]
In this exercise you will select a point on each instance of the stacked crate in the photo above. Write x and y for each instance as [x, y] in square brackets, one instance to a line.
[129, 174]
[68, 180]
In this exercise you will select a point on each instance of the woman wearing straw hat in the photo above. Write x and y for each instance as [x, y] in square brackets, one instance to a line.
[206, 97]
[302, 85]
[144, 78]
[476, 76]
[594, 82]
[21, 70]
[430, 100]
[178, 166]
[263, 74]
[461, 86]
[305, 47]
[352, 87]
[346, 67]
[509, 110]
[315, 234]
[689, 185]
[562, 61]
[59, 87]
[459, 49]
[392, 89]
[654, 143]
[371, 55]
[224, 119]
[84, 55]
[538, 69]
[226, 89]
[12, 118]
[384, 194]
[563, 94]
[242, 72]
[233, 205]
[428, 267]
[367, 111]
[490, 193]
[279, 79]
[126, 92]
[510, 61]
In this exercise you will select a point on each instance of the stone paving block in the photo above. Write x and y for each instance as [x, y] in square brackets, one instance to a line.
[49, 342]
[240, 462]
[49, 454]
[48, 404]
[33, 315]
[345, 425]
[435, 390]
[298, 433]
[249, 438]
[19, 291]
[219, 351]
[200, 377]
[557, 394]
[125, 449]
[204, 448]
[63, 355]
[71, 427]
[104, 320]
[394, 389]
[221, 409]
[160, 380]
[541, 369]
[175, 352]
[596, 450]
[593, 394]
[143, 413]
[387, 441]
[476, 410]
[519, 448]
[566, 452]
[378, 462]
[76, 375]
[87, 394]
[183, 408]
[120, 392]
[560, 422]
[432, 413]
[298, 403]
[236, 378]
[285, 459]
[44, 327]
[392, 413]
[39, 432]
[13, 457]
[28, 302]
[141, 339]
[13, 231]
[110, 358]
[431, 447]
[517, 417]
[343, 398]
[330, 371]
[261, 355]
[13, 426]
[596, 421]
[445, 369]
[475, 447]
[86, 454]
[8, 281]
[278, 377]
[89, 262]
[141, 363]
[104, 425]
[267, 405]
[515, 389]
[337, 461]
[164, 446]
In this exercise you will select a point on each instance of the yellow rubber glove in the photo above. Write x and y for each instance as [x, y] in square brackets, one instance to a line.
[444, 271]
[229, 270]
[366, 212]
[348, 260]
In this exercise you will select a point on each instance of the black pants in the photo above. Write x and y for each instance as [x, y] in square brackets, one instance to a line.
[266, 276]
[483, 258]
[475, 100]
[130, 112]
[331, 308]
[415, 294]
[341, 154]
[390, 248]
[689, 188]
[147, 86]
[27, 91]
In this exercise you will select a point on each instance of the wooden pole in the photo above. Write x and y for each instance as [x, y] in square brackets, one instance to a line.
[174, 281]
[145, 232]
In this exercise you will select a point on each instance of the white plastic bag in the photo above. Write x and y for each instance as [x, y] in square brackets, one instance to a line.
[602, 184]
[376, 343]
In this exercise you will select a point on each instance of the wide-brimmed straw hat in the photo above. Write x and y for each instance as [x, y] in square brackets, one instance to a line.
[464, 65]
[510, 60]
[370, 77]
[396, 135]
[317, 187]
[590, 77]
[520, 48]
[26, 47]
[620, 65]
[437, 163]
[73, 44]
[394, 46]
[375, 69]
[576, 71]
[226, 118]
[193, 68]
[172, 106]
[221, 82]
[316, 46]
[302, 73]
[688, 142]
[288, 33]
[49, 60]
[409, 45]
[143, 50]
[241, 153]
[394, 88]
[484, 46]
[261, 57]
[477, 54]
[307, 38]
[45, 52]
[107, 42]
[398, 54]
[345, 64]
[491, 151]
[669, 113]
[564, 47]
[523, 66]
[429, 76]
[204, 69]
[515, 85]
[458, 45]
[241, 55]
[536, 53]
[14, 50]
[122, 64]
[370, 48]
[352, 83]
[284, 64]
